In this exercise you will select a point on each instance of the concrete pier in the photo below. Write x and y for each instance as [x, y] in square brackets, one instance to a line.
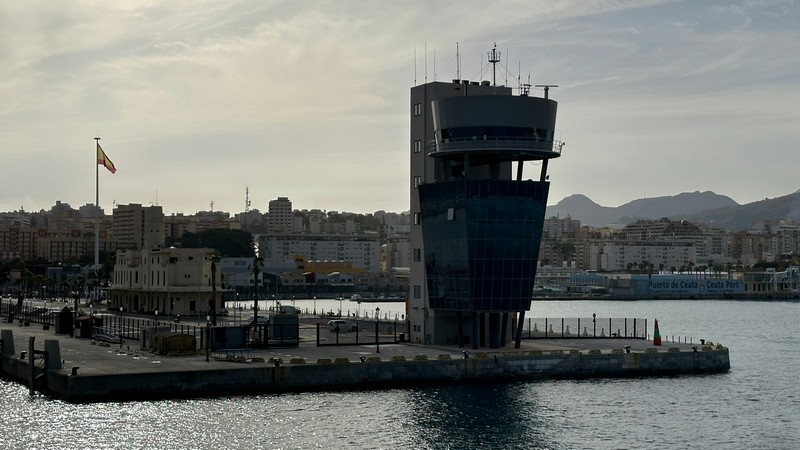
[81, 370]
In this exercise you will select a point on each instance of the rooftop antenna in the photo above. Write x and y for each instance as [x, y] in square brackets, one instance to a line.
[526, 87]
[546, 88]
[506, 67]
[494, 58]
[426, 62]
[458, 63]
[434, 64]
[415, 66]
[212, 205]
[246, 198]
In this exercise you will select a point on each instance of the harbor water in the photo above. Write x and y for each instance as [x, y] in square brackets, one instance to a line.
[756, 405]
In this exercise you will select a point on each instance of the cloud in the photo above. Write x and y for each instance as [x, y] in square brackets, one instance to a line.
[310, 99]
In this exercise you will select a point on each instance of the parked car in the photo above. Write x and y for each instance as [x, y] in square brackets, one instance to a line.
[284, 309]
[261, 319]
[342, 325]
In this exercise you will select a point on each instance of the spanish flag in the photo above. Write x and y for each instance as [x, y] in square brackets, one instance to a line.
[103, 159]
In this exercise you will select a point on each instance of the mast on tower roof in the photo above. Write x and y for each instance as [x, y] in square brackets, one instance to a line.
[494, 58]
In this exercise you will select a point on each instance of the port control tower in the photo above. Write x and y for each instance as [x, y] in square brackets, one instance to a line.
[476, 221]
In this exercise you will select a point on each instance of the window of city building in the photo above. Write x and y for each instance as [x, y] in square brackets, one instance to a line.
[417, 146]
[417, 109]
[417, 291]
[417, 255]
[417, 181]
[416, 218]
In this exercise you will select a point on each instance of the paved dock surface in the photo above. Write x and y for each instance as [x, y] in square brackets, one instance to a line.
[96, 359]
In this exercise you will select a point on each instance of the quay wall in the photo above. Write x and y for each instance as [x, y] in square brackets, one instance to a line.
[254, 378]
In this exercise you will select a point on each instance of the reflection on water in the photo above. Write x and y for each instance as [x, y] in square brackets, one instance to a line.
[756, 405]
[478, 416]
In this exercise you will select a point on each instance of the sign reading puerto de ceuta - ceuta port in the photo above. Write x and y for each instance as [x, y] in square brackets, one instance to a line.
[695, 286]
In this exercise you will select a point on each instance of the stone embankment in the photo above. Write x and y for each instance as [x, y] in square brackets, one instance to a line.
[81, 370]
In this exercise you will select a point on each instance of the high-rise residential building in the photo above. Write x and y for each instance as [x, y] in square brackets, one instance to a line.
[279, 216]
[555, 227]
[476, 222]
[138, 227]
[360, 250]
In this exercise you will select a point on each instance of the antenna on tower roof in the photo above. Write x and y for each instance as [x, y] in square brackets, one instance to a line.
[546, 88]
[246, 198]
[494, 58]
[458, 63]
[506, 66]
[415, 66]
[525, 88]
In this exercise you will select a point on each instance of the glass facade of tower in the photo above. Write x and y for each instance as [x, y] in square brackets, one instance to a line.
[481, 240]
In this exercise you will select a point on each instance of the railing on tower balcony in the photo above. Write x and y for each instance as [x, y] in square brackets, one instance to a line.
[549, 148]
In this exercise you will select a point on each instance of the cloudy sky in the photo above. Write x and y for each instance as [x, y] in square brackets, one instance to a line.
[197, 100]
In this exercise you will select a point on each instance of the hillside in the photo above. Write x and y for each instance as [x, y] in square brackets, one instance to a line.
[742, 217]
[590, 213]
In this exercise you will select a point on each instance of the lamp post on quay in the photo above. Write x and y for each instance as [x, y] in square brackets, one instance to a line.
[257, 260]
[377, 318]
[213, 302]
[208, 335]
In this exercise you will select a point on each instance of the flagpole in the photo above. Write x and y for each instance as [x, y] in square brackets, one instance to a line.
[96, 206]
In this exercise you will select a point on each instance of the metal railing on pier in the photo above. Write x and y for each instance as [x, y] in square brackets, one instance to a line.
[360, 333]
[589, 327]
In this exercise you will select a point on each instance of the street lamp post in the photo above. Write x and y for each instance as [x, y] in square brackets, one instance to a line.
[315, 305]
[208, 335]
[213, 302]
[256, 269]
[377, 318]
[77, 296]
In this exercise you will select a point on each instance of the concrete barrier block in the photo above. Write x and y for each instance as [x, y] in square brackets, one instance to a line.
[444, 357]
[574, 351]
[556, 352]
[617, 351]
[651, 350]
[297, 361]
[481, 355]
[421, 358]
[8, 342]
[257, 359]
[674, 350]
[535, 353]
[324, 361]
[374, 359]
[341, 361]
[595, 351]
[398, 358]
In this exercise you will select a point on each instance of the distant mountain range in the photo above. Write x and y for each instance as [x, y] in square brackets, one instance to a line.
[706, 207]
